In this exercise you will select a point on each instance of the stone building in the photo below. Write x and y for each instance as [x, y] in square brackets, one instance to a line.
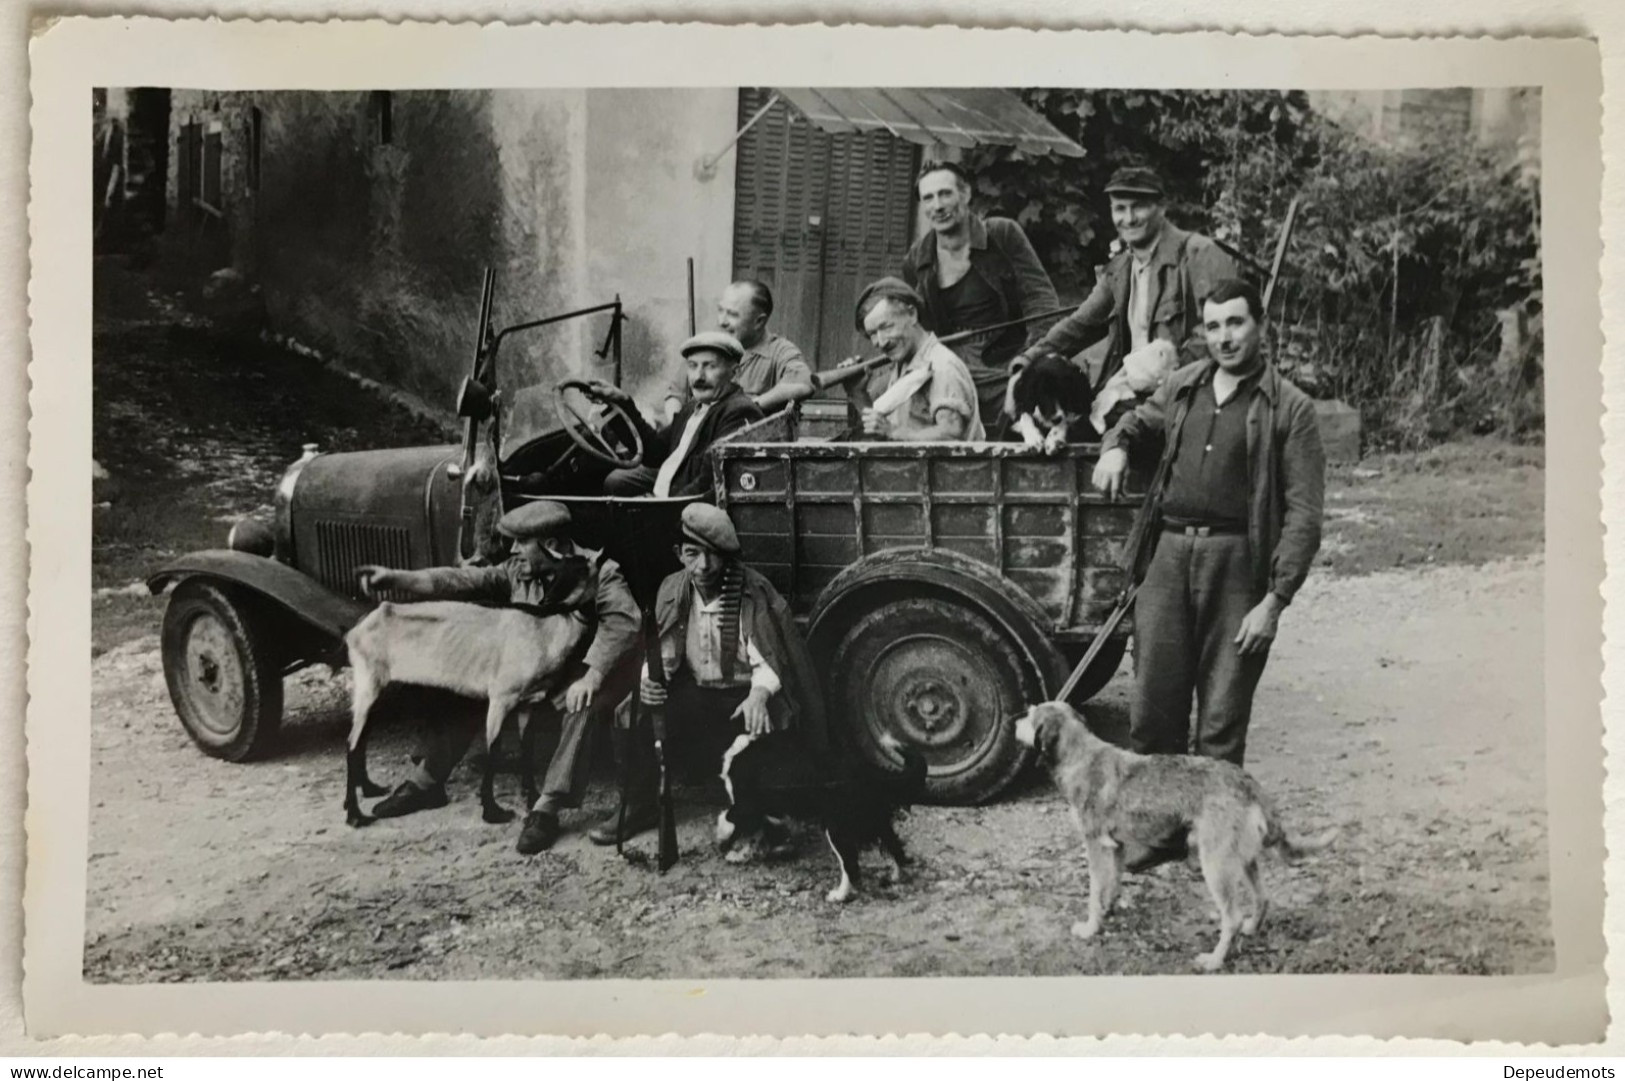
[366, 218]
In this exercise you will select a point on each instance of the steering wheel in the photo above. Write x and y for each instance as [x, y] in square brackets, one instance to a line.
[587, 435]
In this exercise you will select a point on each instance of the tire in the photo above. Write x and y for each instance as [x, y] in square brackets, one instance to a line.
[940, 676]
[224, 678]
[1101, 670]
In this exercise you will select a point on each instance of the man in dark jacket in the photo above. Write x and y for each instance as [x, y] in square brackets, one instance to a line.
[1149, 292]
[1231, 524]
[975, 272]
[716, 408]
[733, 663]
[603, 676]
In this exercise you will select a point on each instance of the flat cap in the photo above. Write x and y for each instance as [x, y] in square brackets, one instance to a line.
[1135, 180]
[717, 341]
[541, 519]
[888, 288]
[710, 526]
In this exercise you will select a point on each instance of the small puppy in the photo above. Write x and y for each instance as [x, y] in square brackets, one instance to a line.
[777, 776]
[1118, 797]
[1051, 400]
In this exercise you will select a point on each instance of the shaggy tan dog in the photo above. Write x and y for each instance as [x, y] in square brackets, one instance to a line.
[1118, 798]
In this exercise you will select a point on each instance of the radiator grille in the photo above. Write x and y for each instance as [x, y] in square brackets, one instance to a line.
[341, 547]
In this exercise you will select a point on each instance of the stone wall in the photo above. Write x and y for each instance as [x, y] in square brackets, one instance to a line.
[371, 251]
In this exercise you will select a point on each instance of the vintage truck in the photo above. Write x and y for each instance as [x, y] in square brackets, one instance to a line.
[942, 586]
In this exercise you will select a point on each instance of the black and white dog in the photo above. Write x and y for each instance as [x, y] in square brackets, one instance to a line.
[776, 777]
[1051, 400]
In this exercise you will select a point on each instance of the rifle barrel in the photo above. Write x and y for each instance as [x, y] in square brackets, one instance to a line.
[822, 380]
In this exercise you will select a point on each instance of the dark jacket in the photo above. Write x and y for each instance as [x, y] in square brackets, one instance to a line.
[729, 413]
[512, 582]
[1001, 254]
[1285, 461]
[765, 619]
[1185, 267]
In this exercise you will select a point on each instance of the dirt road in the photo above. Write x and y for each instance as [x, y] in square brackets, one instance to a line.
[1402, 705]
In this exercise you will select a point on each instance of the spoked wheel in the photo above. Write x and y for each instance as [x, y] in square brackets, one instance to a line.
[940, 676]
[223, 676]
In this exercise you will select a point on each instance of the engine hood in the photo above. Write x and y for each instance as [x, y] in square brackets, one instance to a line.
[397, 508]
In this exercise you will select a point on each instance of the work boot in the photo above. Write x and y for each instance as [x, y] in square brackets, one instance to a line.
[638, 819]
[541, 829]
[409, 796]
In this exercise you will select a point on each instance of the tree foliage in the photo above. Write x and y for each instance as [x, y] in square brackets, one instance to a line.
[1402, 256]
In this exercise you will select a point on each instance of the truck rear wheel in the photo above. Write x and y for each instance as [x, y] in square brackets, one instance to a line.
[222, 673]
[941, 677]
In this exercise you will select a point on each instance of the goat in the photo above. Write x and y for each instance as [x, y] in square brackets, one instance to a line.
[509, 655]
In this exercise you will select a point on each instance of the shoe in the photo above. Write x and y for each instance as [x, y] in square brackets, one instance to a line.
[541, 829]
[1138, 858]
[409, 797]
[638, 820]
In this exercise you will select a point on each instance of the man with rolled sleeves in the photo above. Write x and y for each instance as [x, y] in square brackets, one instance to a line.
[733, 664]
[677, 453]
[1234, 514]
[604, 675]
[926, 394]
[1148, 299]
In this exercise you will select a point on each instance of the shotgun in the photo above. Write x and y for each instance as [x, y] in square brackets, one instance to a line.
[467, 405]
[823, 380]
[667, 854]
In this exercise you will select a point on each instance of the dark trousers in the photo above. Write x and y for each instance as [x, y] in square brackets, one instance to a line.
[442, 743]
[1196, 592]
[636, 481]
[700, 726]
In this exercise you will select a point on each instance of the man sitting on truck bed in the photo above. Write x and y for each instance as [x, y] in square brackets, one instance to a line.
[717, 406]
[926, 394]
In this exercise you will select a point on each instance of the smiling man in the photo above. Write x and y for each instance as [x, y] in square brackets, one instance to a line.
[1234, 516]
[974, 272]
[1150, 292]
[926, 394]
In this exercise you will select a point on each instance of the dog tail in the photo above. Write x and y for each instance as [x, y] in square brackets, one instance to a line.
[907, 785]
[1293, 847]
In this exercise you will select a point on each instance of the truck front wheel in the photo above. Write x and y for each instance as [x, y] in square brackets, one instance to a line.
[222, 673]
[939, 676]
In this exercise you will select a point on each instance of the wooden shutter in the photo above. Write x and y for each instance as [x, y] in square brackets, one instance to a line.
[817, 217]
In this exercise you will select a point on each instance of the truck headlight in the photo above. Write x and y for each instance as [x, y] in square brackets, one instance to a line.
[253, 536]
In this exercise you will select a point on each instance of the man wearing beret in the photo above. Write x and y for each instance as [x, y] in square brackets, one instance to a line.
[926, 394]
[606, 672]
[733, 663]
[974, 272]
[1147, 300]
[717, 406]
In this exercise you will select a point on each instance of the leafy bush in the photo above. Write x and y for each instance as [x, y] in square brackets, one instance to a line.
[1411, 286]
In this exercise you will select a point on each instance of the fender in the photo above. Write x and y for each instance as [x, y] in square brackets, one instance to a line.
[945, 572]
[298, 594]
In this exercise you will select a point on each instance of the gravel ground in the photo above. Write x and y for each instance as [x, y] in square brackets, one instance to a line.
[1403, 706]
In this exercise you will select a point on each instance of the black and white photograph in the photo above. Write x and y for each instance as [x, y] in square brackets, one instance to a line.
[754, 532]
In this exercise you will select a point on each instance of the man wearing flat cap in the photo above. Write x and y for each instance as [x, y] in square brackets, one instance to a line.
[733, 663]
[602, 676]
[926, 394]
[1147, 300]
[716, 407]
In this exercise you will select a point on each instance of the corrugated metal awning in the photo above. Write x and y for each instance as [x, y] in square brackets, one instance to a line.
[961, 117]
